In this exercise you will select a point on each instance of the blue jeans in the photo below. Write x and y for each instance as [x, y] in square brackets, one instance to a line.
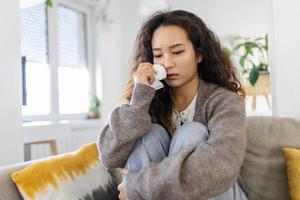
[157, 145]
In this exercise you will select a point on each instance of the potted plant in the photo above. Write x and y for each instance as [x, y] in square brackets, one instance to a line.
[49, 3]
[251, 54]
[94, 108]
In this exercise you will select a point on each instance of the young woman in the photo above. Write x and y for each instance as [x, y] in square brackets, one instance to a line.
[186, 140]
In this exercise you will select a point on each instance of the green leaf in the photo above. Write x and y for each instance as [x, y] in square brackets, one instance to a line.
[94, 104]
[239, 46]
[249, 46]
[254, 74]
[242, 61]
[49, 3]
[259, 38]
[266, 42]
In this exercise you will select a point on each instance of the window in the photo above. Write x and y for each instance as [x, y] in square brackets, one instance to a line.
[55, 61]
[34, 50]
[72, 72]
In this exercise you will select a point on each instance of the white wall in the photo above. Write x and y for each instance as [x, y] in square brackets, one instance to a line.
[284, 57]
[109, 59]
[246, 18]
[11, 149]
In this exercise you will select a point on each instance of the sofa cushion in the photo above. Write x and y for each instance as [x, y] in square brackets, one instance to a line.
[78, 175]
[292, 160]
[263, 170]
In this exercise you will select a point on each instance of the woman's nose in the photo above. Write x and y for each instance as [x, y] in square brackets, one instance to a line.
[168, 62]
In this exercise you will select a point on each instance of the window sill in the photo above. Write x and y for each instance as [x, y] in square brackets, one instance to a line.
[47, 130]
[86, 124]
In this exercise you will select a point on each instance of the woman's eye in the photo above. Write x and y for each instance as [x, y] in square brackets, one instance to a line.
[157, 56]
[178, 52]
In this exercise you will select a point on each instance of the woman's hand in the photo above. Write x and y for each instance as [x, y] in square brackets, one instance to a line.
[121, 187]
[145, 74]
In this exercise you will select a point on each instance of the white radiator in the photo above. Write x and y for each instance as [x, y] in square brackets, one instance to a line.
[77, 139]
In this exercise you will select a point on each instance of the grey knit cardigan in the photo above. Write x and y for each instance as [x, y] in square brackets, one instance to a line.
[198, 172]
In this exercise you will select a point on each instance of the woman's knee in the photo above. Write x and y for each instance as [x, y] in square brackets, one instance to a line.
[187, 135]
[153, 147]
[157, 138]
[193, 130]
[157, 133]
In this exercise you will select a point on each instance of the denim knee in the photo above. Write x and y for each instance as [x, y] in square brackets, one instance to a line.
[157, 133]
[153, 147]
[188, 135]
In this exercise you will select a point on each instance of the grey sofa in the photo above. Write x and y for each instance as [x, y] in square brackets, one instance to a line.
[263, 171]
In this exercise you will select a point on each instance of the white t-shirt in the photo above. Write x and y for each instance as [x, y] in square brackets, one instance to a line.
[186, 116]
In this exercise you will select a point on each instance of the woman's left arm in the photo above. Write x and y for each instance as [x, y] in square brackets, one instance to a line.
[202, 171]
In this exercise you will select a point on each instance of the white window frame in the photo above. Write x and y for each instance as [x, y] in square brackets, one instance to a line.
[85, 8]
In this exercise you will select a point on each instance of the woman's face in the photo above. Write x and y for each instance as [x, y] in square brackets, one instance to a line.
[172, 49]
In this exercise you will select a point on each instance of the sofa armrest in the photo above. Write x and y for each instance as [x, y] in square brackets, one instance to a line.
[8, 189]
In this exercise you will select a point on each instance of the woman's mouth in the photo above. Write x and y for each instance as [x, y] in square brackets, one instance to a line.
[172, 76]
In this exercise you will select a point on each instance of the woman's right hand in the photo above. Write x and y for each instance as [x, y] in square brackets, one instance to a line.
[144, 74]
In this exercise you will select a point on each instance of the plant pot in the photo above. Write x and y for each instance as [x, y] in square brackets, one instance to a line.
[94, 115]
[262, 87]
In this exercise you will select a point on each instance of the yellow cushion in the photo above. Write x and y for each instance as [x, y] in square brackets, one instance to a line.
[292, 160]
[77, 175]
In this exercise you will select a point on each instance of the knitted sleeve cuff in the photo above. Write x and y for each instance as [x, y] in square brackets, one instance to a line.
[142, 94]
[130, 186]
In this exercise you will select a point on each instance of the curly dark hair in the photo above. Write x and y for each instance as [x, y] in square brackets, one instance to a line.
[216, 67]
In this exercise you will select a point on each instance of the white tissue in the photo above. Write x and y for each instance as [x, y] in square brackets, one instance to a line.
[161, 74]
